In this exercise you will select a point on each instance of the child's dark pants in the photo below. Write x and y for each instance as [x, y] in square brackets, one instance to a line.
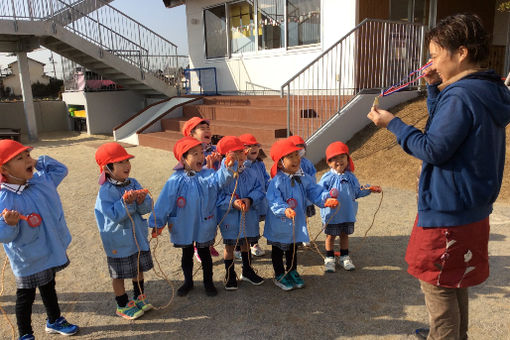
[277, 259]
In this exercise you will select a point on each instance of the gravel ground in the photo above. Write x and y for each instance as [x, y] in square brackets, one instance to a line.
[378, 300]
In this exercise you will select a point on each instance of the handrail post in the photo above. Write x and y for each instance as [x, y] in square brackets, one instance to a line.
[288, 110]
[98, 27]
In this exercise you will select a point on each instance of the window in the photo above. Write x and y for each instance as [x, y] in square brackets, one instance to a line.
[303, 19]
[242, 27]
[410, 10]
[271, 22]
[215, 32]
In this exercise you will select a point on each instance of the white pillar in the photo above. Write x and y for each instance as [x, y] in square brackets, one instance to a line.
[28, 99]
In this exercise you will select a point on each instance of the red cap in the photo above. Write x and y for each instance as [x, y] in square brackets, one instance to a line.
[280, 149]
[297, 140]
[339, 148]
[191, 124]
[111, 153]
[183, 145]
[248, 139]
[10, 149]
[228, 144]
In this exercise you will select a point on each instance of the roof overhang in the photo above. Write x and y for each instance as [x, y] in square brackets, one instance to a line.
[173, 3]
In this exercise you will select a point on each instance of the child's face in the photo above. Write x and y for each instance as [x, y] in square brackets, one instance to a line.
[121, 170]
[339, 163]
[202, 132]
[291, 163]
[252, 151]
[21, 166]
[240, 156]
[194, 159]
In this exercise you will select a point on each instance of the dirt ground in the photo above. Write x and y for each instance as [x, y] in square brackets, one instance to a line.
[378, 300]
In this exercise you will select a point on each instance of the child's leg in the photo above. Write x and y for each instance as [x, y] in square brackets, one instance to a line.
[50, 300]
[207, 270]
[248, 272]
[291, 257]
[344, 244]
[330, 245]
[230, 274]
[24, 301]
[120, 292]
[187, 269]
[138, 288]
[277, 260]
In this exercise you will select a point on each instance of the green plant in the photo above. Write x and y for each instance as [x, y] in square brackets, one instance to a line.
[504, 6]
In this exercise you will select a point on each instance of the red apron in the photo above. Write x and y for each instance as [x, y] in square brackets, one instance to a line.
[451, 257]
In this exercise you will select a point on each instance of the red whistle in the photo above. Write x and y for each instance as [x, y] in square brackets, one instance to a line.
[34, 220]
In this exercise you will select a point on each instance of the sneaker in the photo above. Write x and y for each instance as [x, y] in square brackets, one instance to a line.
[283, 282]
[185, 288]
[346, 262]
[237, 255]
[197, 256]
[252, 277]
[329, 264]
[27, 337]
[298, 281]
[213, 251]
[130, 312]
[421, 333]
[231, 283]
[210, 290]
[306, 244]
[61, 326]
[257, 251]
[143, 303]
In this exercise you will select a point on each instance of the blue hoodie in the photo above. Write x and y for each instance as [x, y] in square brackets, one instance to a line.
[33, 250]
[462, 149]
[263, 179]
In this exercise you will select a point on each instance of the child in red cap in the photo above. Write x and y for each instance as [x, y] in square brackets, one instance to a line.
[120, 197]
[343, 184]
[255, 162]
[235, 228]
[34, 232]
[287, 195]
[199, 128]
[187, 204]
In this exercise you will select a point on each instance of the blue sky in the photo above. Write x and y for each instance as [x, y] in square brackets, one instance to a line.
[169, 23]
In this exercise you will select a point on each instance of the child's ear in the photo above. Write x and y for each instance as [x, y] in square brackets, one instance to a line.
[3, 171]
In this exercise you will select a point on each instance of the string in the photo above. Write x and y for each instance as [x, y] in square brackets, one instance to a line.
[1, 294]
[399, 86]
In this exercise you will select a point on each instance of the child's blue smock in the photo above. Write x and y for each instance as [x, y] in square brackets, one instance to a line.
[348, 191]
[248, 186]
[263, 179]
[308, 167]
[188, 203]
[33, 250]
[278, 228]
[115, 227]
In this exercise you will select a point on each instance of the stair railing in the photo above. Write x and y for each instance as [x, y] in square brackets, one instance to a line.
[373, 55]
[103, 25]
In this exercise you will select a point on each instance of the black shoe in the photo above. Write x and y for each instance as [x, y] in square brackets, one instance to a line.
[185, 288]
[210, 290]
[421, 333]
[232, 282]
[251, 277]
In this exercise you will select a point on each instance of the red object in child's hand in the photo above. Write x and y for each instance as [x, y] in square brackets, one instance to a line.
[375, 188]
[34, 220]
[229, 160]
[156, 232]
[129, 196]
[290, 213]
[331, 203]
[333, 193]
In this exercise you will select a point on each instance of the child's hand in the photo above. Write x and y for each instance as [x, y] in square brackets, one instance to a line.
[246, 204]
[230, 160]
[375, 188]
[240, 204]
[11, 217]
[290, 213]
[140, 195]
[129, 196]
[331, 203]
[157, 231]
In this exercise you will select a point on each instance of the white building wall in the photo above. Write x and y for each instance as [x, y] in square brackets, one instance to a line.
[267, 68]
[36, 75]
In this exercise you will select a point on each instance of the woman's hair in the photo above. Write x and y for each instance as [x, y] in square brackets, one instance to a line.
[461, 30]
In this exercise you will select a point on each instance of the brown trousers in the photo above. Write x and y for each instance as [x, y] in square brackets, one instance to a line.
[448, 312]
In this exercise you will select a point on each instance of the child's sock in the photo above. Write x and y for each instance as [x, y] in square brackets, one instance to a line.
[230, 269]
[277, 260]
[330, 253]
[187, 269]
[246, 260]
[138, 289]
[122, 300]
[344, 252]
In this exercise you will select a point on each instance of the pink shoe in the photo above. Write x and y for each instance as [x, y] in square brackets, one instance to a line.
[213, 251]
[196, 255]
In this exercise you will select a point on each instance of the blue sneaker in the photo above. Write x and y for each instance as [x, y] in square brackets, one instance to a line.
[61, 326]
[298, 281]
[143, 303]
[27, 337]
[284, 282]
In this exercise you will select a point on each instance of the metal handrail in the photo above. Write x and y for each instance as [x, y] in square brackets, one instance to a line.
[373, 55]
[103, 25]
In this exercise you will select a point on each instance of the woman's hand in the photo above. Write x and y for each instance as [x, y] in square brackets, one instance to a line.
[431, 75]
[381, 118]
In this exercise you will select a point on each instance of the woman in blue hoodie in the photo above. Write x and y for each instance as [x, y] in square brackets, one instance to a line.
[463, 154]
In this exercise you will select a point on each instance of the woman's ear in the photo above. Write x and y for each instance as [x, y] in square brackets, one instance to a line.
[463, 53]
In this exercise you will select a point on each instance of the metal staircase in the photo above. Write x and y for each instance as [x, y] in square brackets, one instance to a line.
[97, 36]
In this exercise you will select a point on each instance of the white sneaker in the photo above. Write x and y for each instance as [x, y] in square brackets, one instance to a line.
[257, 251]
[346, 262]
[329, 264]
[237, 255]
[306, 244]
